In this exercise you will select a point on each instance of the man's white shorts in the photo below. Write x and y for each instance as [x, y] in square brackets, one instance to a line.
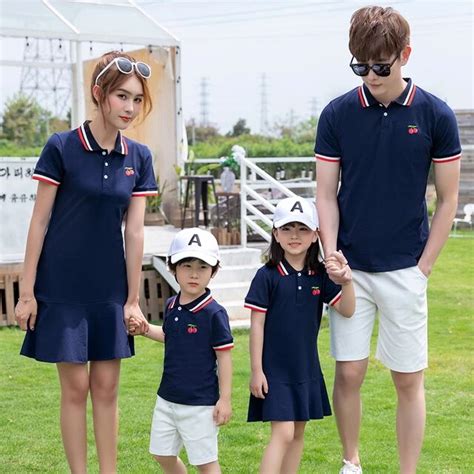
[400, 298]
[175, 425]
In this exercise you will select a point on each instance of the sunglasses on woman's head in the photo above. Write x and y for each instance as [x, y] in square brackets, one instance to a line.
[125, 66]
[363, 69]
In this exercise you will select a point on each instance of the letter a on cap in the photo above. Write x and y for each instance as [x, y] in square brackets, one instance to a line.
[195, 240]
[297, 205]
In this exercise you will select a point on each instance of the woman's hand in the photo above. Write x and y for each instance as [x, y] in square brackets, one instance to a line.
[132, 310]
[25, 313]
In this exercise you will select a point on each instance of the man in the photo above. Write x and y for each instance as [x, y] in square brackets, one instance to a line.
[380, 140]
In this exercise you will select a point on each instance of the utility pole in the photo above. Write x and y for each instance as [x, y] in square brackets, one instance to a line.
[46, 74]
[263, 106]
[204, 102]
[314, 107]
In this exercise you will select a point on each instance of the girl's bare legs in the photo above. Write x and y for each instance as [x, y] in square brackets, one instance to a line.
[74, 380]
[171, 464]
[283, 433]
[104, 382]
[292, 458]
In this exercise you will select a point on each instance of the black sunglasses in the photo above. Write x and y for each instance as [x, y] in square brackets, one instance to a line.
[381, 69]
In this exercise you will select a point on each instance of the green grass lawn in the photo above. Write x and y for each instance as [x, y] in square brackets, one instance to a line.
[29, 398]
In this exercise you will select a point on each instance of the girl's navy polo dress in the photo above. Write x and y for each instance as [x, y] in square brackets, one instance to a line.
[292, 302]
[81, 282]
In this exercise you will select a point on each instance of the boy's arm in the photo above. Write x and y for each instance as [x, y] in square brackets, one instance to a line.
[154, 332]
[447, 186]
[223, 408]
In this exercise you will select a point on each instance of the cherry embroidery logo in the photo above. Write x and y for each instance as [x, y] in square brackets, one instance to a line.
[192, 329]
[315, 290]
[412, 129]
[129, 171]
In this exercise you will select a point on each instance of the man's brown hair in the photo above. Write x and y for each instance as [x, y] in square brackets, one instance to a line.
[377, 33]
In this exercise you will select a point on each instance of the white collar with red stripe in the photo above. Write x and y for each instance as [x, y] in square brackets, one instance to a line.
[366, 99]
[90, 144]
[194, 306]
[285, 269]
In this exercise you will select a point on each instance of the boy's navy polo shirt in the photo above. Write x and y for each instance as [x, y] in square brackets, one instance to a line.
[292, 302]
[385, 156]
[193, 332]
[82, 259]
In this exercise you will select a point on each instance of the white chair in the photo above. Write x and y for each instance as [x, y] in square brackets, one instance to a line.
[467, 219]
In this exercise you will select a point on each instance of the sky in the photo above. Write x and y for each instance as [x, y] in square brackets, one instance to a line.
[301, 47]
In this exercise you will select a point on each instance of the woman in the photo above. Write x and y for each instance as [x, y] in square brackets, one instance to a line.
[78, 289]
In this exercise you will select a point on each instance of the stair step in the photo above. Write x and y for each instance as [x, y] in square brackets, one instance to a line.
[236, 273]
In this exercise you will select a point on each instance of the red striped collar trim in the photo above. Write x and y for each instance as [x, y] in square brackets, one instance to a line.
[410, 95]
[89, 143]
[366, 99]
[362, 97]
[282, 270]
[172, 302]
[202, 304]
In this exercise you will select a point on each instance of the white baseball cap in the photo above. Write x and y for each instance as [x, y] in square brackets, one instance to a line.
[296, 209]
[194, 243]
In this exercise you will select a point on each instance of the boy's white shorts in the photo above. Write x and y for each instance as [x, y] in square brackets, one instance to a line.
[400, 298]
[175, 425]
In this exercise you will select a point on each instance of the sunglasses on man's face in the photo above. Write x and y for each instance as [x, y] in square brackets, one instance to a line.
[125, 66]
[363, 69]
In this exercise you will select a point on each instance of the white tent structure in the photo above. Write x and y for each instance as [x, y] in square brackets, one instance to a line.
[81, 23]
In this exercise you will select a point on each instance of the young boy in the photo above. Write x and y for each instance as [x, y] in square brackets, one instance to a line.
[380, 140]
[192, 399]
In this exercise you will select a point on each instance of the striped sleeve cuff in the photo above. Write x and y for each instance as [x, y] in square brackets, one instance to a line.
[149, 192]
[335, 299]
[46, 179]
[224, 347]
[254, 307]
[329, 159]
[447, 159]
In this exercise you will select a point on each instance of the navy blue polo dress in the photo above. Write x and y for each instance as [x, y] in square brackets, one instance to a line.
[292, 302]
[81, 281]
[193, 333]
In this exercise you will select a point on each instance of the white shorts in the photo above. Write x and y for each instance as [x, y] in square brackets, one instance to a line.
[175, 425]
[400, 298]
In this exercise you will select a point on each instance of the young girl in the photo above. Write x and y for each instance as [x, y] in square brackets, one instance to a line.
[286, 298]
[78, 291]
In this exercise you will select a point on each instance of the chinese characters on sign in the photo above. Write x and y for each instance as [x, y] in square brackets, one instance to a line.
[17, 198]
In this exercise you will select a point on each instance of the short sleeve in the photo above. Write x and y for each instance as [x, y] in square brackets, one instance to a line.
[446, 144]
[327, 146]
[50, 167]
[258, 297]
[331, 292]
[145, 184]
[221, 336]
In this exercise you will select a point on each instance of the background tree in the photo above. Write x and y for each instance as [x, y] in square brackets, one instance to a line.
[239, 128]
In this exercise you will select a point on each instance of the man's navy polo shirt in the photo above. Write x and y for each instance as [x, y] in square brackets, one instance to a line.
[193, 332]
[82, 259]
[385, 156]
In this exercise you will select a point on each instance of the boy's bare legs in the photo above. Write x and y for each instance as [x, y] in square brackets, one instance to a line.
[347, 405]
[209, 468]
[292, 459]
[282, 436]
[104, 382]
[411, 415]
[74, 380]
[171, 464]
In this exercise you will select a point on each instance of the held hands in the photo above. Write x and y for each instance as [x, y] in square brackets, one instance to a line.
[133, 317]
[222, 412]
[258, 384]
[338, 269]
[25, 313]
